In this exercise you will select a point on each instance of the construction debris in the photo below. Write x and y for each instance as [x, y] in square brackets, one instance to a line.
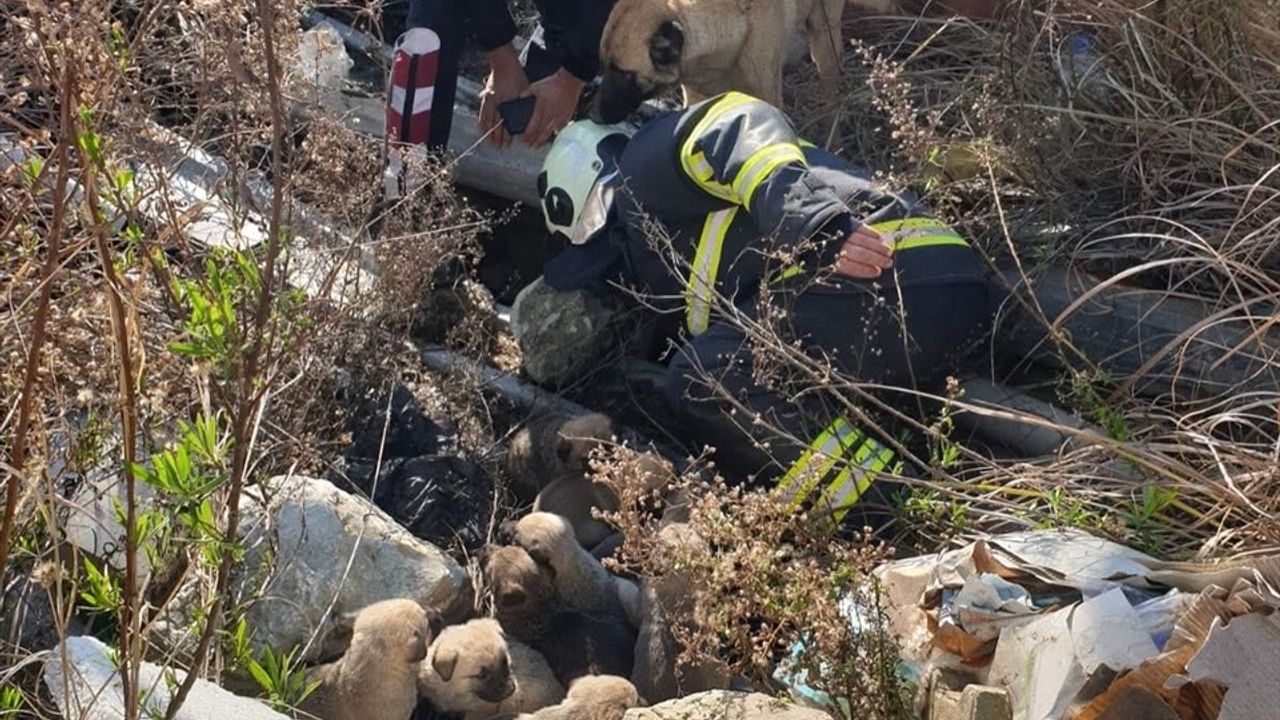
[1074, 627]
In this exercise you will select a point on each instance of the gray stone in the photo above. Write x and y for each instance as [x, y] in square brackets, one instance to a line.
[27, 621]
[91, 690]
[560, 333]
[314, 553]
[726, 705]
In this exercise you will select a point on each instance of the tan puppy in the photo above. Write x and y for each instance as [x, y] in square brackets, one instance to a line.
[659, 673]
[592, 697]
[377, 677]
[551, 447]
[574, 643]
[575, 497]
[580, 580]
[713, 46]
[473, 670]
[523, 593]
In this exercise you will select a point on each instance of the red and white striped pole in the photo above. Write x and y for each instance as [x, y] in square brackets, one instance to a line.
[411, 95]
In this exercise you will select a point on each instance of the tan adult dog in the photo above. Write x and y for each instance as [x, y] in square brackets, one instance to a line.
[713, 46]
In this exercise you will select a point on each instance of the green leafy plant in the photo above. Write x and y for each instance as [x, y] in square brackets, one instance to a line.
[236, 643]
[1084, 394]
[100, 591]
[945, 454]
[1061, 510]
[284, 681]
[184, 477]
[11, 701]
[1144, 511]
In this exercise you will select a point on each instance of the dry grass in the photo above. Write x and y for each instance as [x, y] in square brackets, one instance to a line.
[1159, 171]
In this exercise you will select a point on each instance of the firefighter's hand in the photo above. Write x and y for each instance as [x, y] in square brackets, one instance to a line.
[557, 96]
[864, 255]
[507, 81]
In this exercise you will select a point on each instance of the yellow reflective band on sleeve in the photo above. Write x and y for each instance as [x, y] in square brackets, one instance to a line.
[694, 161]
[816, 461]
[917, 233]
[699, 291]
[852, 482]
[760, 166]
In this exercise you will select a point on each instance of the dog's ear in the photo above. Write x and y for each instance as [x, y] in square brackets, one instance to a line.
[564, 449]
[513, 597]
[435, 623]
[444, 662]
[667, 44]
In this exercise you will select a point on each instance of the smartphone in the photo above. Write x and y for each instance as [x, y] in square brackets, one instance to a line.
[517, 113]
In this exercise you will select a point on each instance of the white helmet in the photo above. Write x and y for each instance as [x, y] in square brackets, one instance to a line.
[574, 183]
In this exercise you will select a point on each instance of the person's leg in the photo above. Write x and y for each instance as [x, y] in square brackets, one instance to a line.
[426, 77]
[800, 443]
[803, 439]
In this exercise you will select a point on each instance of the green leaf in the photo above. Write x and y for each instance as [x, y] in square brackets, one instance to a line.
[32, 169]
[259, 675]
[123, 178]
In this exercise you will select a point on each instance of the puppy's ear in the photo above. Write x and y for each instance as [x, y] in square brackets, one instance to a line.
[444, 662]
[513, 598]
[435, 623]
[667, 44]
[507, 530]
[418, 647]
[564, 449]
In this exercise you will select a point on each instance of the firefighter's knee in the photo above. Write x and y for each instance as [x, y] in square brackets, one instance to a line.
[679, 383]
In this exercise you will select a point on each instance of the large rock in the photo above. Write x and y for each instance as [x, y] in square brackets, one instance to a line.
[91, 690]
[560, 333]
[314, 552]
[726, 705]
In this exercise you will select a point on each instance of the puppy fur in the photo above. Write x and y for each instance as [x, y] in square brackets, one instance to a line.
[713, 46]
[579, 579]
[576, 497]
[377, 677]
[574, 643]
[658, 673]
[473, 670]
[551, 447]
[594, 697]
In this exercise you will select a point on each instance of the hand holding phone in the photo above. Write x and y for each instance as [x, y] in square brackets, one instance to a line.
[517, 113]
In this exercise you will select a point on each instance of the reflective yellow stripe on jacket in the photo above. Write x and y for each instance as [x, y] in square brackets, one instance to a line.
[917, 233]
[905, 234]
[699, 290]
[855, 456]
[754, 171]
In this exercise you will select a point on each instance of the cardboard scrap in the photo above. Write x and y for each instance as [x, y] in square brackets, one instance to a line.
[1045, 664]
[1243, 655]
[1138, 703]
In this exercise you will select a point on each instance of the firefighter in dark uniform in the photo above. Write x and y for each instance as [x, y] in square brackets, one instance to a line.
[569, 60]
[870, 282]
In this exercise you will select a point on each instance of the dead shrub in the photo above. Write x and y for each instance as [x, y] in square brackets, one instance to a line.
[757, 585]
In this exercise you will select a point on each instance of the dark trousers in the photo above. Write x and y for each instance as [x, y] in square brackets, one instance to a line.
[761, 422]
